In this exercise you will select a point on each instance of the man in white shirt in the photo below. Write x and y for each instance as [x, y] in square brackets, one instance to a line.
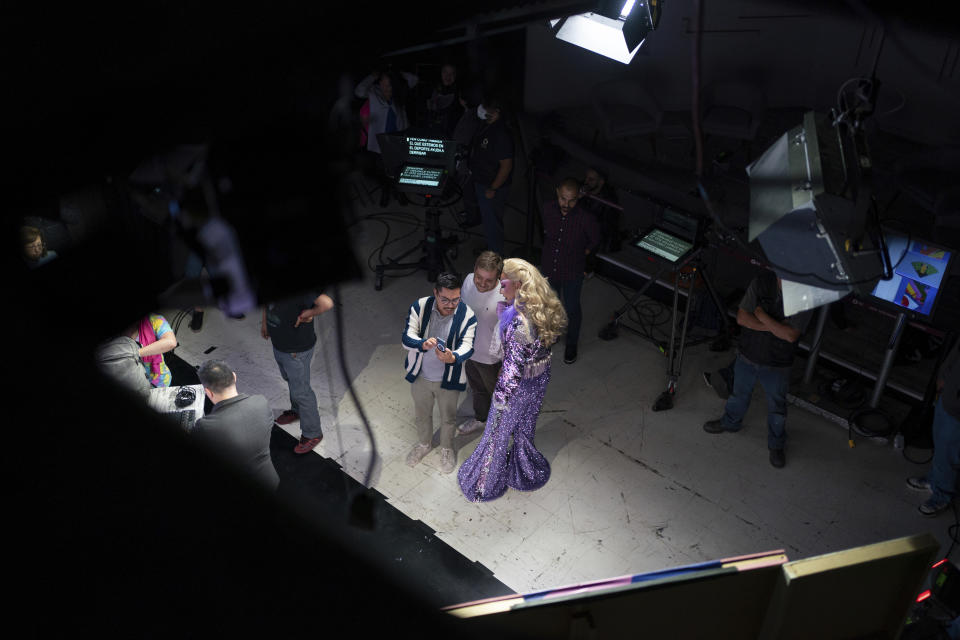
[481, 292]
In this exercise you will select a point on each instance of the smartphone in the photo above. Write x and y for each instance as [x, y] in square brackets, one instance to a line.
[440, 345]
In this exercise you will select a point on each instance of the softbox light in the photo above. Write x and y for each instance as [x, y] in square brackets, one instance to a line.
[807, 211]
[615, 30]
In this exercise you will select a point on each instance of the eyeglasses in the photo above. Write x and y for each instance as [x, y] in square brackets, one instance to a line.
[448, 301]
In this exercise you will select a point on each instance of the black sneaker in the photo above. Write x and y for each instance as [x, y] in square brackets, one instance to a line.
[570, 355]
[196, 322]
[934, 507]
[715, 426]
[777, 458]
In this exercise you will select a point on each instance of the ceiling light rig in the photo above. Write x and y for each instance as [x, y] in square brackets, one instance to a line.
[615, 29]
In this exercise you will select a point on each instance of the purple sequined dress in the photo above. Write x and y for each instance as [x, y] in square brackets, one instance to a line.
[516, 405]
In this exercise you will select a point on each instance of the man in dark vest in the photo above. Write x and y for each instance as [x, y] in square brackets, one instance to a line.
[767, 346]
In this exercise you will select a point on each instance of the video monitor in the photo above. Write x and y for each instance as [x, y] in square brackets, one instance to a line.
[422, 179]
[685, 226]
[420, 175]
[426, 148]
[398, 149]
[919, 268]
[663, 244]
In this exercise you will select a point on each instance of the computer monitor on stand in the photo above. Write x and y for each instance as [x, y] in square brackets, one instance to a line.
[674, 243]
[919, 268]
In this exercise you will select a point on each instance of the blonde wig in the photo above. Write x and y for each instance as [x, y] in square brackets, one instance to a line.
[535, 300]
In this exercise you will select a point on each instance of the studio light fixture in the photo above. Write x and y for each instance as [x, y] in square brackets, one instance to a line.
[616, 29]
[809, 209]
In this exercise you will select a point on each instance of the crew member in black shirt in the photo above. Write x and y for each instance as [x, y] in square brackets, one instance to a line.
[491, 165]
[289, 323]
[767, 347]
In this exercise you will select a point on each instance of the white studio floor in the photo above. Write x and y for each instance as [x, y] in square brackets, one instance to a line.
[631, 490]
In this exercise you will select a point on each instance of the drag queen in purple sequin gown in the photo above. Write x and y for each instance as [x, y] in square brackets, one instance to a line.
[530, 323]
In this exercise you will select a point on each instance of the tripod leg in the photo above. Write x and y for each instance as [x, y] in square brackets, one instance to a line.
[665, 399]
[675, 374]
[673, 322]
[610, 330]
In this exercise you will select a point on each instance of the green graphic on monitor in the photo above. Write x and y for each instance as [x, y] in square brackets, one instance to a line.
[924, 269]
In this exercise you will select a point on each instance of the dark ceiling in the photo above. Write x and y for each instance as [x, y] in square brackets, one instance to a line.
[91, 90]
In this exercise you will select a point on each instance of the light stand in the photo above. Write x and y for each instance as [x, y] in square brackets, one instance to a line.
[435, 246]
[612, 329]
[675, 356]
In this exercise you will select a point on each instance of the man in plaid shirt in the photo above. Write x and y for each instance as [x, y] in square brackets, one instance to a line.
[570, 235]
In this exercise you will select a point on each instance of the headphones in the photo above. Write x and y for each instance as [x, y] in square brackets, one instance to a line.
[185, 397]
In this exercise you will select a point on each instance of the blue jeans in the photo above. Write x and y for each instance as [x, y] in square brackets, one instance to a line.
[775, 382]
[946, 454]
[569, 292]
[491, 214]
[295, 369]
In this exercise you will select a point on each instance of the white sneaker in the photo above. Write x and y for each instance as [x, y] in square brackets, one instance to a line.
[470, 427]
[416, 454]
[448, 460]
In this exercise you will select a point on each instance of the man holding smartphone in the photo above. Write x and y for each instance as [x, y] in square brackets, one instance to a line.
[439, 339]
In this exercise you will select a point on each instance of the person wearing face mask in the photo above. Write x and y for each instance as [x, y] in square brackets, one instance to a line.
[480, 292]
[530, 322]
[491, 166]
[438, 337]
[570, 236]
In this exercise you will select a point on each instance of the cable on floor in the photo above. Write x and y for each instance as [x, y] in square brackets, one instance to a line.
[361, 508]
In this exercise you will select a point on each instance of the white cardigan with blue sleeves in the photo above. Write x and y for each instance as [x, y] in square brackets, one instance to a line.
[459, 341]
